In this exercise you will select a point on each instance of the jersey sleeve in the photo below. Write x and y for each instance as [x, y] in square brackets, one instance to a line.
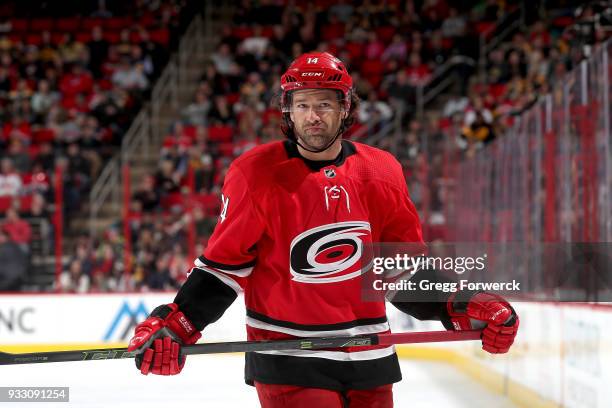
[403, 225]
[228, 260]
[402, 222]
[232, 248]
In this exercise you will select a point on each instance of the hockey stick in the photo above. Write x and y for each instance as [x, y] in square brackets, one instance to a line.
[312, 343]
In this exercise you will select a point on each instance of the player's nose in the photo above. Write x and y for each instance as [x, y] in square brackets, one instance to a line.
[312, 116]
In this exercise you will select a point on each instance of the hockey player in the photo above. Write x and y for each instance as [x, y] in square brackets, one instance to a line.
[295, 215]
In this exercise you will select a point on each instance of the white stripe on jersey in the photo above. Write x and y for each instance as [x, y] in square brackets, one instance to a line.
[240, 272]
[223, 278]
[336, 355]
[353, 331]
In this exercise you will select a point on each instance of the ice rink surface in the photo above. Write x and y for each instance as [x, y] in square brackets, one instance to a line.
[217, 382]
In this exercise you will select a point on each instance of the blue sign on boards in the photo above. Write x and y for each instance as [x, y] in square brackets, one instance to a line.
[134, 315]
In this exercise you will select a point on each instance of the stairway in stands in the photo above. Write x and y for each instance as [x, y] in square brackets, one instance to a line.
[42, 271]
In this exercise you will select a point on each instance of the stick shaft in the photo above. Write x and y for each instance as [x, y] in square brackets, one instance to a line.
[313, 343]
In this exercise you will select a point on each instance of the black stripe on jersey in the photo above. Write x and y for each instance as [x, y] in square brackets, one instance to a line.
[203, 298]
[316, 327]
[227, 267]
[419, 304]
[348, 149]
[314, 372]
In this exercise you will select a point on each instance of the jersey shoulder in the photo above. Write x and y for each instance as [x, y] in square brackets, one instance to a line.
[260, 164]
[377, 164]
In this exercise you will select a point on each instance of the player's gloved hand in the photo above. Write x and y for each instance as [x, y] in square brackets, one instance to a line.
[499, 318]
[158, 341]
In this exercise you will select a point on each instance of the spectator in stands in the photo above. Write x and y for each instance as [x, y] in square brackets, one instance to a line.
[167, 179]
[343, 10]
[220, 113]
[10, 181]
[436, 53]
[130, 77]
[374, 48]
[91, 145]
[42, 101]
[73, 280]
[98, 51]
[45, 157]
[401, 92]
[478, 126]
[76, 81]
[18, 229]
[14, 263]
[397, 49]
[256, 44]
[196, 113]
[417, 72]
[159, 277]
[147, 195]
[38, 208]
[373, 110]
[18, 156]
[454, 26]
[223, 59]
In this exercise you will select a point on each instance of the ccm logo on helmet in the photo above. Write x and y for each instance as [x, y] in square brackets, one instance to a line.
[312, 74]
[329, 253]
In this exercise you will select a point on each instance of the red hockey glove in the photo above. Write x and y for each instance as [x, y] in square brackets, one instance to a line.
[158, 341]
[501, 320]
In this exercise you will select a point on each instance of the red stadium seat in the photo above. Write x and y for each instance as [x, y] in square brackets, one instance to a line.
[267, 31]
[5, 203]
[25, 203]
[355, 50]
[386, 33]
[161, 36]
[57, 38]
[89, 23]
[33, 150]
[209, 202]
[226, 149]
[232, 98]
[331, 32]
[242, 32]
[34, 39]
[112, 37]
[172, 200]
[83, 36]
[190, 132]
[19, 24]
[43, 136]
[483, 26]
[147, 20]
[117, 23]
[372, 68]
[220, 133]
[41, 24]
[68, 25]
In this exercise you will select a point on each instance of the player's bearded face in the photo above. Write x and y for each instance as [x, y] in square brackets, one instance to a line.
[316, 115]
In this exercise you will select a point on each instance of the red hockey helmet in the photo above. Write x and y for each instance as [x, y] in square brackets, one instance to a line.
[317, 70]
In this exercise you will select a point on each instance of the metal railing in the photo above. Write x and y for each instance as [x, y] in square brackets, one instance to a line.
[439, 82]
[144, 135]
[496, 34]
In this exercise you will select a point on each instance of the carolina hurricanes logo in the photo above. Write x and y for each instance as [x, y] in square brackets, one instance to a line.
[329, 253]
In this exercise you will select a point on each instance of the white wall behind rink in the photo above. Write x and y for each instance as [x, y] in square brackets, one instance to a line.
[94, 318]
[563, 352]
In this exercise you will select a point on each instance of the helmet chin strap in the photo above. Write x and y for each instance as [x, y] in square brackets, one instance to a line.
[327, 146]
[341, 129]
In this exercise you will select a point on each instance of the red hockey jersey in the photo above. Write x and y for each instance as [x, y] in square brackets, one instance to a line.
[290, 237]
